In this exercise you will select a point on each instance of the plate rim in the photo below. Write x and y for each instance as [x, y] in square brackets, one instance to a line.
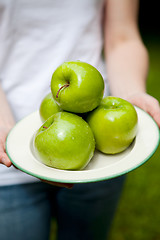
[85, 180]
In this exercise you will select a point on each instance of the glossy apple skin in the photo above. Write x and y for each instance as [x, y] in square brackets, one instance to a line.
[48, 107]
[114, 125]
[85, 90]
[65, 141]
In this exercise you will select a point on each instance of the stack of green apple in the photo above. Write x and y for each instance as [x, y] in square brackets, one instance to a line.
[66, 140]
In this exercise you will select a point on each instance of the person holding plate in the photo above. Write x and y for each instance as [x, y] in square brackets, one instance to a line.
[36, 37]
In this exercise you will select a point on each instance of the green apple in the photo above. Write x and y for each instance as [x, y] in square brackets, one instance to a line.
[48, 107]
[65, 141]
[77, 86]
[114, 124]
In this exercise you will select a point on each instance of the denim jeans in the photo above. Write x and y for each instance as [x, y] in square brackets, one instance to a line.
[83, 212]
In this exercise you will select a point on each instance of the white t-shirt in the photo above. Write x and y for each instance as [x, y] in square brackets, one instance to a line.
[36, 36]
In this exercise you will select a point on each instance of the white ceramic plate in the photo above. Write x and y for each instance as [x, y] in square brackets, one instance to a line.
[20, 151]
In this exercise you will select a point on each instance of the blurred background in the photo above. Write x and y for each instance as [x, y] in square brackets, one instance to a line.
[138, 215]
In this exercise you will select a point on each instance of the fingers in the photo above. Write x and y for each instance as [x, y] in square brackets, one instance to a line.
[5, 160]
[154, 110]
[3, 156]
[57, 184]
[156, 117]
[148, 104]
[152, 107]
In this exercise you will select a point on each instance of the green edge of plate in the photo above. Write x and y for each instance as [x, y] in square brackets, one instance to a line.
[88, 180]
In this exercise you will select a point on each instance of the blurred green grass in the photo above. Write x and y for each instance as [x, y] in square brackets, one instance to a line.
[138, 215]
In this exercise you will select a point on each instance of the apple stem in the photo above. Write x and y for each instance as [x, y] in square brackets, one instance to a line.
[64, 86]
[45, 127]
